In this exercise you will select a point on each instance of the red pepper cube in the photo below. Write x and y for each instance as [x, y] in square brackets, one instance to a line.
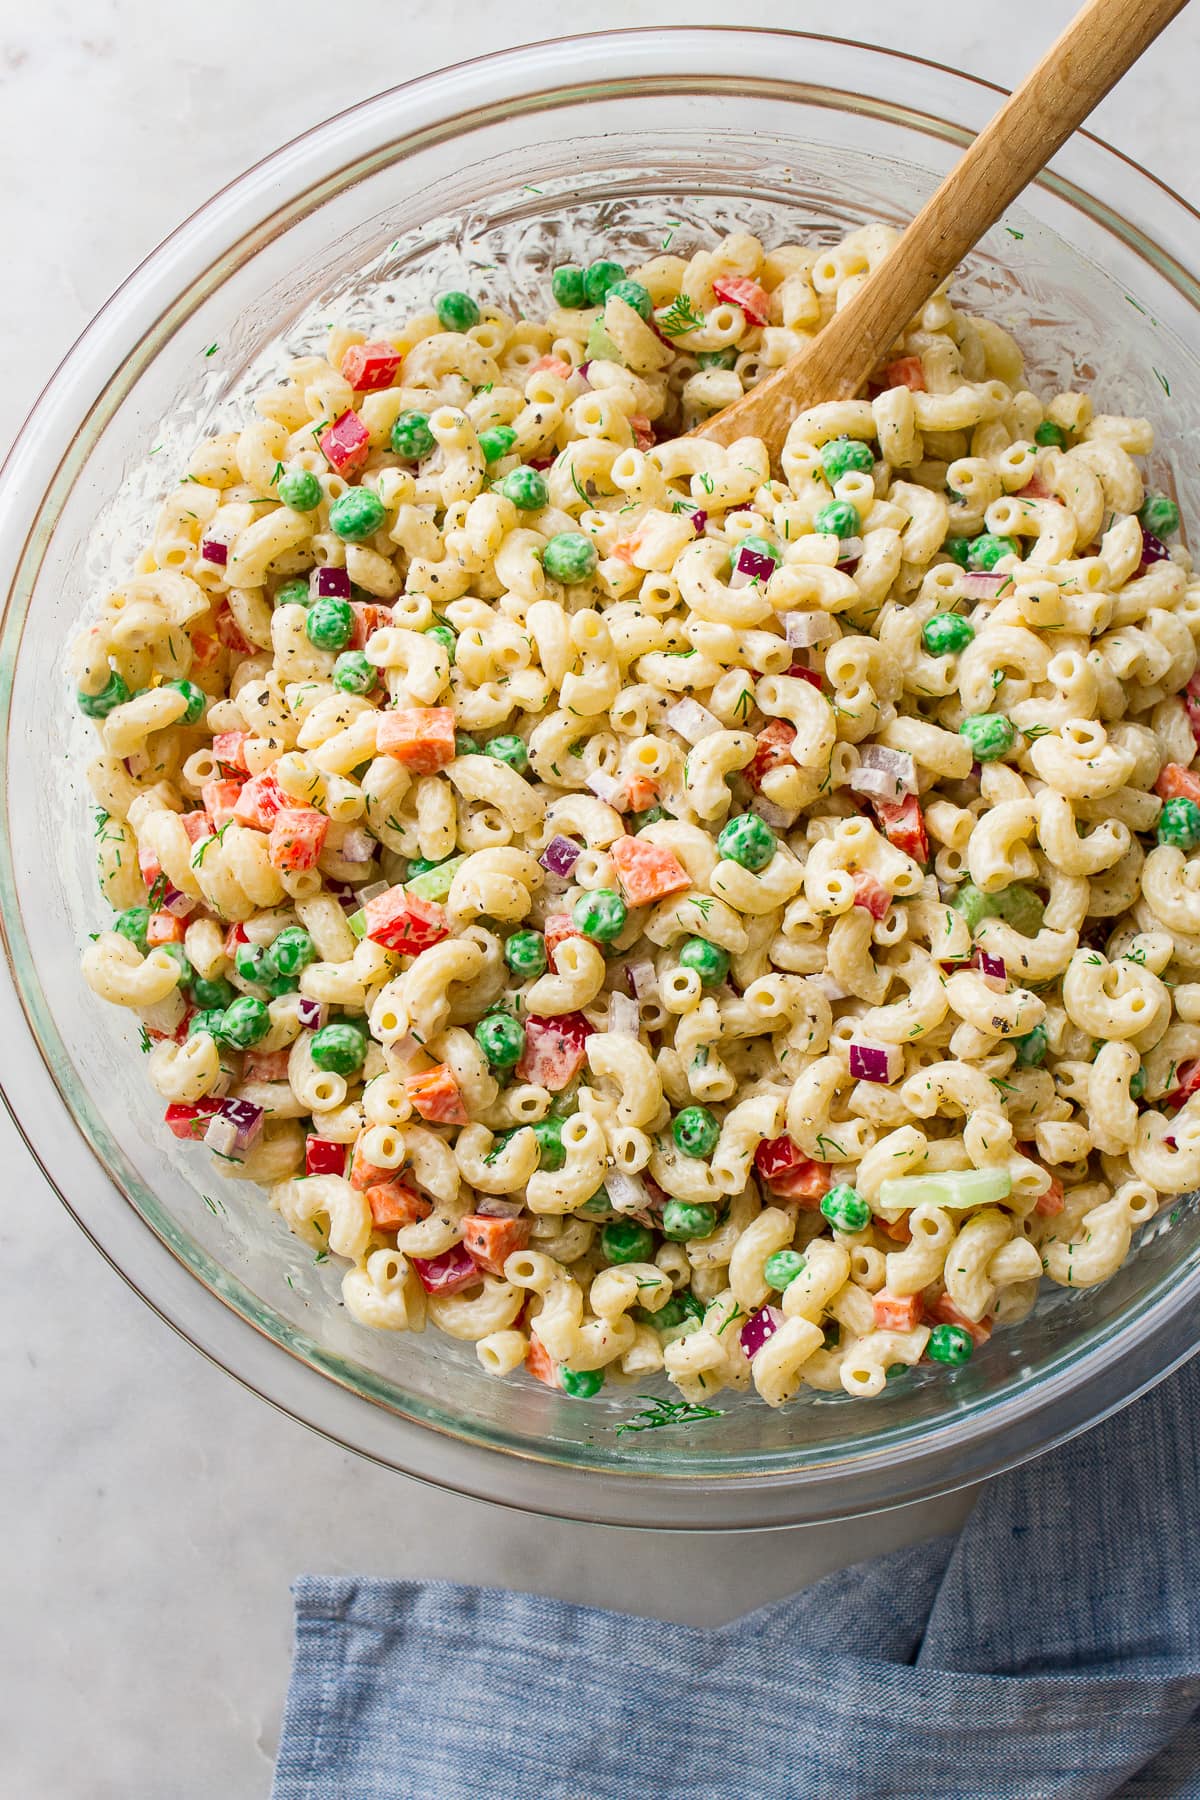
[774, 748]
[404, 922]
[196, 825]
[897, 1312]
[260, 800]
[776, 1156]
[1177, 783]
[191, 1121]
[297, 838]
[448, 1273]
[367, 618]
[906, 371]
[944, 1312]
[558, 928]
[643, 431]
[807, 1184]
[370, 366]
[364, 1174]
[435, 1096]
[555, 1050]
[393, 1206]
[237, 934]
[646, 871]
[229, 748]
[1189, 1081]
[871, 894]
[267, 1065]
[230, 632]
[420, 737]
[164, 928]
[346, 444]
[540, 1363]
[739, 290]
[1052, 1201]
[904, 826]
[489, 1241]
[322, 1156]
[150, 867]
[206, 650]
[220, 801]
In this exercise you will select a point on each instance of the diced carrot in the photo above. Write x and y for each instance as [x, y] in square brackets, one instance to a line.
[904, 825]
[220, 799]
[807, 1184]
[346, 444]
[906, 371]
[899, 1230]
[944, 1312]
[739, 290]
[365, 1174]
[196, 825]
[393, 1205]
[551, 365]
[420, 737]
[260, 799]
[540, 1363]
[557, 929]
[897, 1312]
[229, 748]
[555, 1050]
[367, 618]
[871, 893]
[370, 366]
[229, 633]
[1177, 783]
[646, 871]
[164, 928]
[266, 1065]
[435, 1095]
[404, 922]
[774, 747]
[297, 838]
[637, 794]
[206, 650]
[1053, 1200]
[490, 1240]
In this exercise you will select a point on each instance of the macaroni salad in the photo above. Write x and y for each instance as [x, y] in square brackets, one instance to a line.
[639, 910]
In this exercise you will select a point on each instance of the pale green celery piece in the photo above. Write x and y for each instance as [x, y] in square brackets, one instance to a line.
[434, 884]
[600, 347]
[960, 1187]
[358, 922]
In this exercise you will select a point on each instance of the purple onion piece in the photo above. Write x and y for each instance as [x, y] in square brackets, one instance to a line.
[627, 1192]
[221, 1135]
[560, 855]
[312, 1014]
[180, 906]
[495, 1206]
[758, 1328]
[641, 979]
[214, 551]
[624, 1014]
[992, 968]
[870, 1062]
[1153, 548]
[246, 1119]
[358, 846]
[754, 565]
[333, 583]
[699, 521]
[583, 369]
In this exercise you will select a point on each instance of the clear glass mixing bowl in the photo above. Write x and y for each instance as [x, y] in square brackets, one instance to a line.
[480, 177]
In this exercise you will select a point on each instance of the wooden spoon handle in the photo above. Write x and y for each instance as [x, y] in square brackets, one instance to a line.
[1102, 41]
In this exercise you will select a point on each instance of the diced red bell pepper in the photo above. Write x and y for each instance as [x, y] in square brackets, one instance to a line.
[322, 1156]
[267, 1065]
[367, 618]
[906, 371]
[229, 631]
[643, 431]
[196, 825]
[540, 1363]
[191, 1121]
[943, 1311]
[297, 838]
[1189, 1082]
[435, 1095]
[739, 290]
[346, 444]
[1036, 489]
[646, 871]
[1051, 1203]
[802, 672]
[420, 737]
[370, 366]
[229, 748]
[453, 1270]
[774, 747]
[149, 865]
[638, 793]
[490, 1240]
[1191, 701]
[404, 922]
[778, 1156]
[180, 1033]
[260, 801]
[220, 799]
[554, 1050]
[164, 928]
[206, 650]
[808, 1185]
[394, 1206]
[557, 929]
[1177, 783]
[551, 365]
[237, 934]
[904, 826]
[870, 893]
[897, 1312]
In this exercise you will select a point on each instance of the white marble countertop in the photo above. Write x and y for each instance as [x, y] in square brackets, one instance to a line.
[154, 1511]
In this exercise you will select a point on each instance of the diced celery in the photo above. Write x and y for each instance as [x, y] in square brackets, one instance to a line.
[959, 1187]
[434, 884]
[358, 922]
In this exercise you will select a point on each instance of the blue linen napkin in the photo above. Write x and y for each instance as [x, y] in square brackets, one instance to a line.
[1051, 1650]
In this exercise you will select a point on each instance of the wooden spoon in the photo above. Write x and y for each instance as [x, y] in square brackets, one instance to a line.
[1102, 41]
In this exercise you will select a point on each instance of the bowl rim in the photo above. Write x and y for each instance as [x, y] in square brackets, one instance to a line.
[171, 1286]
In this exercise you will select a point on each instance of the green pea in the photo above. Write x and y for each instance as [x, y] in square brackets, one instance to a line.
[842, 454]
[196, 699]
[1050, 435]
[525, 954]
[625, 1241]
[1137, 1084]
[340, 1048]
[696, 1131]
[1031, 1049]
[651, 816]
[782, 1268]
[510, 749]
[98, 706]
[599, 1206]
[300, 490]
[330, 623]
[1159, 515]
[252, 963]
[684, 1219]
[598, 278]
[950, 1344]
[357, 515]
[581, 1384]
[1179, 824]
[747, 841]
[946, 634]
[293, 593]
[354, 673]
[551, 1154]
[525, 488]
[502, 1039]
[709, 961]
[496, 442]
[210, 1020]
[845, 1209]
[179, 957]
[839, 517]
[672, 1313]
[986, 550]
[569, 557]
[293, 950]
[456, 311]
[957, 549]
[990, 735]
[464, 744]
[633, 294]
[445, 637]
[568, 286]
[209, 995]
[411, 437]
[133, 924]
[244, 1023]
[600, 915]
[717, 359]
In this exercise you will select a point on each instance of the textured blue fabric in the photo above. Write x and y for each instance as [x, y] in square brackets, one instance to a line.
[1051, 1650]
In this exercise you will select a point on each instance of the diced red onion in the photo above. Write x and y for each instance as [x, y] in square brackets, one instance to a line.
[770, 814]
[980, 584]
[357, 846]
[802, 672]
[583, 368]
[829, 985]
[373, 890]
[642, 979]
[177, 904]
[137, 765]
[993, 970]
[897, 765]
[448, 1273]
[221, 1135]
[872, 1061]
[312, 1014]
[699, 521]
[1153, 549]
[624, 1014]
[606, 787]
[246, 1119]
[760, 1326]
[873, 782]
[214, 551]
[750, 565]
[804, 629]
[850, 549]
[560, 855]
[691, 720]
[221, 1085]
[495, 1206]
[626, 1192]
[333, 583]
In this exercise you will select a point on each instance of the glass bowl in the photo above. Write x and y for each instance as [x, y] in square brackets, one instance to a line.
[479, 177]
